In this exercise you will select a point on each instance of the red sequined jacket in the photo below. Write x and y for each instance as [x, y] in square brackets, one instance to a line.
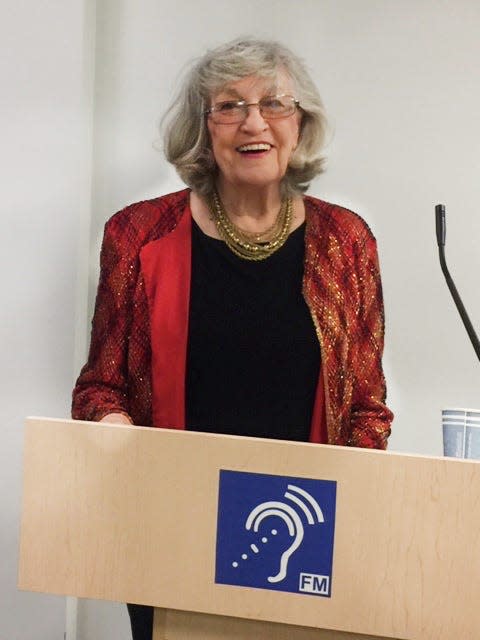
[136, 364]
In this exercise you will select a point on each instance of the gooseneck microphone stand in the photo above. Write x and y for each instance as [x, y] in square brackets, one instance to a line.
[441, 233]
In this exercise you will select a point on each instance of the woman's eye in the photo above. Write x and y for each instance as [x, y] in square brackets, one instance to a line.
[225, 107]
[272, 103]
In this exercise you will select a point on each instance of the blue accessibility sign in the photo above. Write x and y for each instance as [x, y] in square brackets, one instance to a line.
[275, 532]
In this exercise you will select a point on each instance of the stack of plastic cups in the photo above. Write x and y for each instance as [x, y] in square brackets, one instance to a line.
[461, 433]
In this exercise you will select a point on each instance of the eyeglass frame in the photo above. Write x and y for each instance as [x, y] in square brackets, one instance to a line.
[245, 105]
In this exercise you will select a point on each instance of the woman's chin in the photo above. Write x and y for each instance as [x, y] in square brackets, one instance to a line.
[254, 180]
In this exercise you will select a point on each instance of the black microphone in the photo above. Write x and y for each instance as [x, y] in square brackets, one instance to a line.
[441, 229]
[440, 224]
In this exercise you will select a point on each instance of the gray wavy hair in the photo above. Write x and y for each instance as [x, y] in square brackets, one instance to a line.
[186, 138]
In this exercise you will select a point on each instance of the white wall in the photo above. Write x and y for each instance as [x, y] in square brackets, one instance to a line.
[400, 82]
[45, 73]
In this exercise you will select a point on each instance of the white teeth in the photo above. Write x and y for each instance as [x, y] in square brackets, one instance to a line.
[262, 146]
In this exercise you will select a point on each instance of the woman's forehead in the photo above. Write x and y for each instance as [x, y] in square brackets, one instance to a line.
[243, 87]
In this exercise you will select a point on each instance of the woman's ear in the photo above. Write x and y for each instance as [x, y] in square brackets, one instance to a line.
[301, 124]
[299, 129]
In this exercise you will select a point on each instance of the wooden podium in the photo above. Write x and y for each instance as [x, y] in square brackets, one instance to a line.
[130, 514]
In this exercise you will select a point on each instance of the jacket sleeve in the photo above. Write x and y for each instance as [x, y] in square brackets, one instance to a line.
[102, 386]
[370, 417]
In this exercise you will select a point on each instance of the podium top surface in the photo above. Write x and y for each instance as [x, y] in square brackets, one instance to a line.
[152, 516]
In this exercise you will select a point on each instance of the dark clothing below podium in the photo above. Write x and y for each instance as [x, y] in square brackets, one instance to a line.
[141, 620]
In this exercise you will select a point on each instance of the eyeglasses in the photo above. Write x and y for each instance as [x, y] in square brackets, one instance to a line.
[270, 107]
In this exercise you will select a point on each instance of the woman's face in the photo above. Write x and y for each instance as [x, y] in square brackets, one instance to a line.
[237, 165]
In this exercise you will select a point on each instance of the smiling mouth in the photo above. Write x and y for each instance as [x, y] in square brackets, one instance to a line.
[260, 147]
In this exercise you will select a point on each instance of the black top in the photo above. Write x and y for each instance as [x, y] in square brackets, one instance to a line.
[253, 355]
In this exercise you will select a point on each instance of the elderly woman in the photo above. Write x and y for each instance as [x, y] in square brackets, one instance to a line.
[239, 305]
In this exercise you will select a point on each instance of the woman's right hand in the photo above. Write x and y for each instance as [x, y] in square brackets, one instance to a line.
[116, 418]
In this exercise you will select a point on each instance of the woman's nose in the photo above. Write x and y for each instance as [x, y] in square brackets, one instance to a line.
[254, 119]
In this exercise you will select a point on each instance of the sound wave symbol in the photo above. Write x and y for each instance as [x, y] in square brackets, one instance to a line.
[307, 505]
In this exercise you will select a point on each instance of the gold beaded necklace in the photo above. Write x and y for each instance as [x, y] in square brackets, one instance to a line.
[250, 245]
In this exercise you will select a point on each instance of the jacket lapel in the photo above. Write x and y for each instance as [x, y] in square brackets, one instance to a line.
[166, 269]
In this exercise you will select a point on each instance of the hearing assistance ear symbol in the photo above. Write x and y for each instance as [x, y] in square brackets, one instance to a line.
[293, 522]
[307, 505]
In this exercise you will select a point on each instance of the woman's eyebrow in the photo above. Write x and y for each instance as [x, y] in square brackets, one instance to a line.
[231, 93]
